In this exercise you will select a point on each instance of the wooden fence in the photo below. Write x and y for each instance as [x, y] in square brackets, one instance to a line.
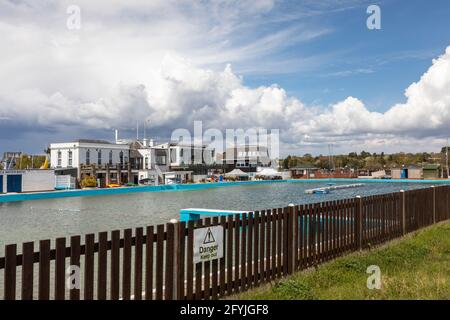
[157, 262]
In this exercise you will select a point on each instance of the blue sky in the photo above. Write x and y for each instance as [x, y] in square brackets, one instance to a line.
[374, 65]
[309, 68]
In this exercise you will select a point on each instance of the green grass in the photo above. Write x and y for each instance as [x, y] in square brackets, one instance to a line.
[416, 266]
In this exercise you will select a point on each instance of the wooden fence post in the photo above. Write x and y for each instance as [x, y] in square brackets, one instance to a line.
[403, 208]
[290, 238]
[359, 222]
[10, 272]
[176, 260]
[169, 280]
[434, 204]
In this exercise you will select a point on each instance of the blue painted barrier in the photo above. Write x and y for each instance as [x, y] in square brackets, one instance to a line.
[183, 187]
[193, 214]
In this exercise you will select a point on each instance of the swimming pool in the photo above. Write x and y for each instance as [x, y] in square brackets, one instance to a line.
[55, 217]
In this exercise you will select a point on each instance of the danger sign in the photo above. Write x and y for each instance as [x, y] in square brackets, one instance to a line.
[208, 244]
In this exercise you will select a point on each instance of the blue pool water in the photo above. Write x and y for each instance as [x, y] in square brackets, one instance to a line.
[49, 218]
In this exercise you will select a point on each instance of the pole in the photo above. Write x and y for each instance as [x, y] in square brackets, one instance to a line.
[332, 158]
[176, 261]
[446, 159]
[145, 129]
[137, 130]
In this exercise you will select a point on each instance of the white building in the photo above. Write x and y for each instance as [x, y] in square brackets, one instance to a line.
[150, 160]
[170, 162]
[86, 152]
[247, 157]
[183, 155]
[135, 161]
[15, 181]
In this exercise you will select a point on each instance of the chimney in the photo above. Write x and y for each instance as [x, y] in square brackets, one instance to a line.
[152, 143]
[116, 135]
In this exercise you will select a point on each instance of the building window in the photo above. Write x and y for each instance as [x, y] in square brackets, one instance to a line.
[110, 157]
[70, 158]
[161, 160]
[88, 157]
[59, 158]
[121, 158]
[99, 162]
[146, 163]
[181, 153]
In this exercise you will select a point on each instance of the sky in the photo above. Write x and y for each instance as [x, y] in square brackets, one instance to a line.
[311, 69]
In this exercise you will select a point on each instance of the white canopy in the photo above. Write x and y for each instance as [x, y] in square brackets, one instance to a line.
[269, 172]
[236, 173]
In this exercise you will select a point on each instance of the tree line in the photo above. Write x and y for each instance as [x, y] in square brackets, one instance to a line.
[366, 160]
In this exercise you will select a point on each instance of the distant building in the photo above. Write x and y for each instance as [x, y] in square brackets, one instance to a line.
[151, 162]
[87, 152]
[84, 154]
[411, 172]
[303, 171]
[135, 161]
[16, 181]
[182, 155]
[246, 158]
[431, 171]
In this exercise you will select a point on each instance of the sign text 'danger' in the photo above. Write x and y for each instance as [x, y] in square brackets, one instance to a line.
[208, 244]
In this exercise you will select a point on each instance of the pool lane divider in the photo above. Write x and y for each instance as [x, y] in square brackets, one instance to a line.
[13, 197]
[323, 190]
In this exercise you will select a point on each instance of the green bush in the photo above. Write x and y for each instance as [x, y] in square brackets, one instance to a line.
[89, 182]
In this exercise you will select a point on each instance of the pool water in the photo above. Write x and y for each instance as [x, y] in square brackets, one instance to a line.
[50, 218]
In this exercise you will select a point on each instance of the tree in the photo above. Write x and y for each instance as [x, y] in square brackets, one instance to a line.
[308, 158]
[366, 160]
[286, 162]
[372, 163]
[365, 154]
[29, 162]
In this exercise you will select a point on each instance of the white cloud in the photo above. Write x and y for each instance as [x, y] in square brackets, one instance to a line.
[130, 62]
[425, 113]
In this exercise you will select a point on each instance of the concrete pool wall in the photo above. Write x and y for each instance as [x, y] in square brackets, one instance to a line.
[186, 187]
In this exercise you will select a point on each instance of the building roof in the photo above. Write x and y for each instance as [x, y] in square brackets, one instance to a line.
[249, 147]
[431, 166]
[93, 141]
[303, 167]
[135, 154]
[185, 144]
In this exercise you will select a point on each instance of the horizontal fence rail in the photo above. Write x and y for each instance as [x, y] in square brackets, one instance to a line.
[157, 262]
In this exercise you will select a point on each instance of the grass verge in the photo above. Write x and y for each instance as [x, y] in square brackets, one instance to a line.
[416, 266]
